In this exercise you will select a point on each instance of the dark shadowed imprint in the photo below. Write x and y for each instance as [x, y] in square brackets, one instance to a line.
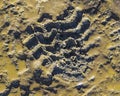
[63, 43]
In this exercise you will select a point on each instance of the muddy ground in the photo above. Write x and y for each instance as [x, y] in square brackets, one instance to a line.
[59, 48]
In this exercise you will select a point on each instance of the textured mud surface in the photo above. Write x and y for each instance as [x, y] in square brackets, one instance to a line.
[59, 48]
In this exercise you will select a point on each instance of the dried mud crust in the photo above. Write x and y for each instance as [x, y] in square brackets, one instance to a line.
[68, 53]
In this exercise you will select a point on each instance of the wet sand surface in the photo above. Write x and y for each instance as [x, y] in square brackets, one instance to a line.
[59, 48]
